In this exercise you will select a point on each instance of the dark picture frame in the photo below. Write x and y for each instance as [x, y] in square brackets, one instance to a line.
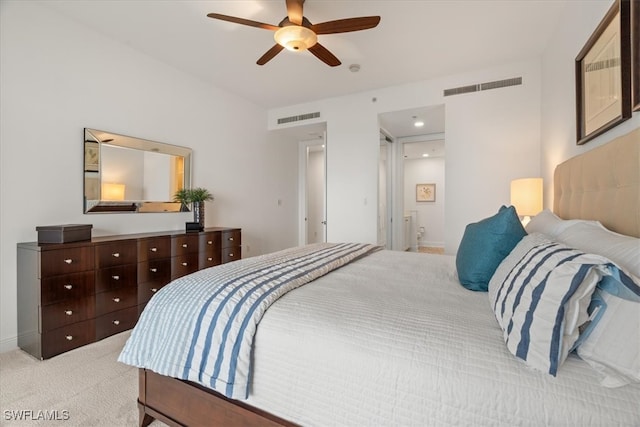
[635, 52]
[603, 75]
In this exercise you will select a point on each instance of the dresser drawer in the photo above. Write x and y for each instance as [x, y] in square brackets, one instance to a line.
[154, 248]
[65, 313]
[157, 271]
[231, 254]
[116, 277]
[115, 322]
[68, 337]
[146, 291]
[117, 299]
[66, 287]
[182, 245]
[183, 265]
[231, 238]
[65, 261]
[210, 242]
[210, 260]
[121, 252]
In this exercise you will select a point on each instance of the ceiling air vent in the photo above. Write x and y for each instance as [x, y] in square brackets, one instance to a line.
[298, 118]
[515, 81]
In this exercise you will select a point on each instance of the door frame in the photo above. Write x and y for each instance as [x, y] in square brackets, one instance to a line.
[303, 147]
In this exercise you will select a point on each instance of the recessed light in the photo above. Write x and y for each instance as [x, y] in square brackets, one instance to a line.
[425, 155]
[418, 123]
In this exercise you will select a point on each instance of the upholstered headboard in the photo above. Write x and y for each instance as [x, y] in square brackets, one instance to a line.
[602, 184]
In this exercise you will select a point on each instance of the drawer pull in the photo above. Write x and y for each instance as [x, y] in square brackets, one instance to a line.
[68, 286]
[154, 290]
[210, 242]
[116, 322]
[231, 255]
[209, 259]
[116, 299]
[153, 270]
[115, 277]
[116, 255]
[154, 249]
[69, 337]
[184, 264]
[68, 312]
[184, 245]
[231, 239]
[68, 260]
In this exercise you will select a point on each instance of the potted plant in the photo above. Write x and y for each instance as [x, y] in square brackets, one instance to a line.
[182, 196]
[196, 196]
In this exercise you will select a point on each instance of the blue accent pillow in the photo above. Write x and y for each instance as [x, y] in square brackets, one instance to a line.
[484, 245]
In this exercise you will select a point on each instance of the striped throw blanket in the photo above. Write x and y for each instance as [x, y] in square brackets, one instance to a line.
[200, 327]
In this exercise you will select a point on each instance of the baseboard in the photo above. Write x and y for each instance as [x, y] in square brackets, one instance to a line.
[8, 344]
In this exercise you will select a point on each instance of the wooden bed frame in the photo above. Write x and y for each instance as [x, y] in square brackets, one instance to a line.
[183, 403]
[602, 184]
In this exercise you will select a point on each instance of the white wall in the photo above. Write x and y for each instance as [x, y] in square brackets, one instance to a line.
[558, 90]
[59, 76]
[429, 215]
[492, 138]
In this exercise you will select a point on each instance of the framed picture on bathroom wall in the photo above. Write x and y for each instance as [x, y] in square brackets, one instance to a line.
[425, 192]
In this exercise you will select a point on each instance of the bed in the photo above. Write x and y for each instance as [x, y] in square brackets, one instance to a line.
[392, 338]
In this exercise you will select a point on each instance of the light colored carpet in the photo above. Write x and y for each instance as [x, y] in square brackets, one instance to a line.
[88, 383]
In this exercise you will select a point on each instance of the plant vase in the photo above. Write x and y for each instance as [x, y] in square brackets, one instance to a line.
[198, 213]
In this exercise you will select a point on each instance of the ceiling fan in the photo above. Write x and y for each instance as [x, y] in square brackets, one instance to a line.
[296, 33]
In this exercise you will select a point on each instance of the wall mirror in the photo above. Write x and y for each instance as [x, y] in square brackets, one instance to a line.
[127, 174]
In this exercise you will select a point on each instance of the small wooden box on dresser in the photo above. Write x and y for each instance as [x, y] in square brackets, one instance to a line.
[72, 294]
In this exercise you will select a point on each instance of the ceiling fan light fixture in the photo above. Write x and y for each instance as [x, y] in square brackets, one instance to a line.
[295, 38]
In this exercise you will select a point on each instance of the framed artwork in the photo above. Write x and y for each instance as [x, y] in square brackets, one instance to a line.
[91, 156]
[425, 192]
[635, 52]
[603, 75]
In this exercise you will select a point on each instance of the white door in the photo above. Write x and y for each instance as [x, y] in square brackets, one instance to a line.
[385, 193]
[313, 224]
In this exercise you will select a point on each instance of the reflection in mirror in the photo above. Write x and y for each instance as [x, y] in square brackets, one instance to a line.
[126, 174]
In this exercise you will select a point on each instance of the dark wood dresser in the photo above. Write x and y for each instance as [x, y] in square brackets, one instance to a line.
[72, 294]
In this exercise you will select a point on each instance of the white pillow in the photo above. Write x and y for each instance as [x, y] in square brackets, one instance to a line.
[613, 346]
[540, 294]
[549, 224]
[596, 239]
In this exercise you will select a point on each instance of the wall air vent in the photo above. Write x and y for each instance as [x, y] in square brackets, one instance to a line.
[298, 118]
[461, 89]
[515, 81]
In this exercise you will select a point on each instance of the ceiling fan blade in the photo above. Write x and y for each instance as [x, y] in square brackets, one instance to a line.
[268, 56]
[243, 21]
[346, 25]
[323, 54]
[294, 11]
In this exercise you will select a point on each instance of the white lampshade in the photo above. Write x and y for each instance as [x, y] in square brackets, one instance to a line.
[526, 196]
[112, 192]
[295, 37]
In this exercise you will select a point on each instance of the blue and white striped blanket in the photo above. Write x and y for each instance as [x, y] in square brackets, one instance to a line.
[200, 327]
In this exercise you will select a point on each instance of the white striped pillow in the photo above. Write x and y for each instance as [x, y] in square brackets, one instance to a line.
[540, 294]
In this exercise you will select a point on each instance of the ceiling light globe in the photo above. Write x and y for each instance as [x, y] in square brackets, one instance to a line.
[295, 37]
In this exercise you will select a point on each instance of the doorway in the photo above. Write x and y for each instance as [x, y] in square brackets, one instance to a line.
[413, 222]
[313, 191]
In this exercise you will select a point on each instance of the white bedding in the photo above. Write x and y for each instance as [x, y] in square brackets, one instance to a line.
[393, 339]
